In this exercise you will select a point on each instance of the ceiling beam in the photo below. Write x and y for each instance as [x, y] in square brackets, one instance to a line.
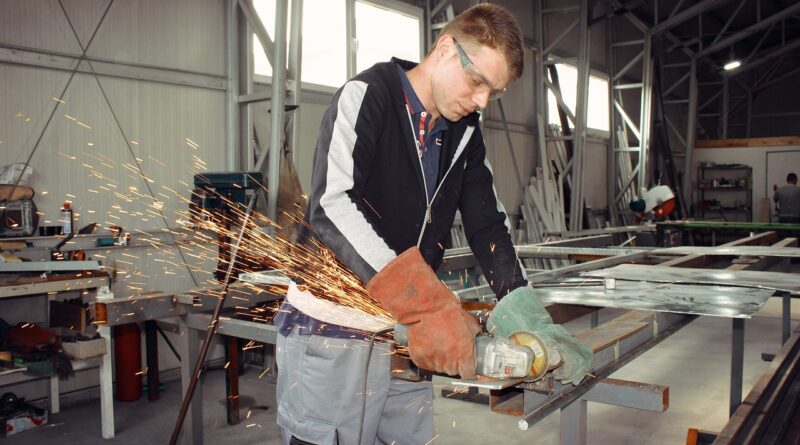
[687, 14]
[750, 30]
[767, 56]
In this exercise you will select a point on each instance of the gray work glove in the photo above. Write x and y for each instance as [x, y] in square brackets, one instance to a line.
[521, 310]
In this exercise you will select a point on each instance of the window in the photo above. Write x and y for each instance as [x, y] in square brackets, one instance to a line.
[597, 117]
[324, 46]
[325, 37]
[375, 44]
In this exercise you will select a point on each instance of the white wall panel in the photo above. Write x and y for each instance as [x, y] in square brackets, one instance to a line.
[174, 131]
[22, 23]
[183, 34]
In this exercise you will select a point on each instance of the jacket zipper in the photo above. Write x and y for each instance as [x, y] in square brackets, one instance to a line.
[428, 213]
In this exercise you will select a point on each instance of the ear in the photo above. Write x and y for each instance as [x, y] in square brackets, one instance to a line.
[444, 46]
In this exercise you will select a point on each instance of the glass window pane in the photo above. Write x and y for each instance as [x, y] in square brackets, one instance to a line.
[598, 98]
[324, 43]
[377, 44]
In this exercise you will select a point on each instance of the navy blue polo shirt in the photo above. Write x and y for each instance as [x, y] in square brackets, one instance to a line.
[429, 140]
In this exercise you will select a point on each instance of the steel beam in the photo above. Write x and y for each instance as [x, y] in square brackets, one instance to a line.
[686, 14]
[295, 82]
[259, 30]
[691, 128]
[768, 56]
[750, 30]
[63, 61]
[645, 115]
[728, 23]
[279, 76]
[554, 44]
[581, 114]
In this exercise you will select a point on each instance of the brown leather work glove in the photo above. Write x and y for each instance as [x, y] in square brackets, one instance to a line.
[441, 335]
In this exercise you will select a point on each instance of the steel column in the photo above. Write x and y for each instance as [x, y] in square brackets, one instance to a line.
[691, 127]
[737, 360]
[581, 112]
[644, 118]
[295, 68]
[725, 106]
[232, 94]
[278, 97]
[573, 423]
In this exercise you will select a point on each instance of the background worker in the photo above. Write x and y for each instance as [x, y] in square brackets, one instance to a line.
[400, 151]
[787, 199]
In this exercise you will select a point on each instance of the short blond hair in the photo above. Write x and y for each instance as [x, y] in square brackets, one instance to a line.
[493, 26]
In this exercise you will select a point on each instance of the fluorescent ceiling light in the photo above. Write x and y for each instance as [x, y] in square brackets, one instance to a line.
[732, 65]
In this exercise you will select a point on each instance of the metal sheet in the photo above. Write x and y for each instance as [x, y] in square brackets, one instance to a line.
[718, 301]
[662, 274]
[273, 277]
[791, 252]
[49, 266]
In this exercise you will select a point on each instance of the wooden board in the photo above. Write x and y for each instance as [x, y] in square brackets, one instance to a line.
[748, 142]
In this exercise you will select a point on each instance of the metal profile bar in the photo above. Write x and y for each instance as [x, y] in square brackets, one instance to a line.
[652, 329]
[628, 66]
[644, 115]
[628, 43]
[725, 107]
[259, 30]
[627, 86]
[782, 49]
[758, 45]
[627, 120]
[629, 394]
[778, 79]
[627, 184]
[560, 37]
[676, 101]
[232, 83]
[581, 115]
[675, 9]
[675, 131]
[515, 164]
[560, 99]
[775, 18]
[350, 35]
[676, 84]
[709, 100]
[686, 14]
[439, 7]
[484, 291]
[676, 65]
[279, 76]
[728, 23]
[294, 84]
[62, 61]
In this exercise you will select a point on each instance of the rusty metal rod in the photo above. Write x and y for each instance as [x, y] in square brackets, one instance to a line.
[212, 327]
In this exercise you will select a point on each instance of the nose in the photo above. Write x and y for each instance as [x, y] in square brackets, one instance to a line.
[480, 99]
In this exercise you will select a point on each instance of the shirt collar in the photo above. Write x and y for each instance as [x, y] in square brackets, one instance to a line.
[413, 100]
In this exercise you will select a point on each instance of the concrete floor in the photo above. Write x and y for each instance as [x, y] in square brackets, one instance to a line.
[694, 363]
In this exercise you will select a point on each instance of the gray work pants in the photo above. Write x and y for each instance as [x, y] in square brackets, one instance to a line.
[321, 395]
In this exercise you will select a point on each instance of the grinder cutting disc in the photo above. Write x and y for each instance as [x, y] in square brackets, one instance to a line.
[541, 358]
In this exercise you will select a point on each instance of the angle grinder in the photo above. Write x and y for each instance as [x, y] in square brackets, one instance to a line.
[522, 355]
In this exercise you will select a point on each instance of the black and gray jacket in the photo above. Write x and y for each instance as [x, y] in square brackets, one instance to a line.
[368, 202]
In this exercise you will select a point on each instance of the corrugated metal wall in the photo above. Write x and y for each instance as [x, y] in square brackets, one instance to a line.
[172, 130]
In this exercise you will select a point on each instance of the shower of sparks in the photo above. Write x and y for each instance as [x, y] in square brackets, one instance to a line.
[199, 234]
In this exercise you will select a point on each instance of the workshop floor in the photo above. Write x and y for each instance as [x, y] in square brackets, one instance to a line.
[694, 363]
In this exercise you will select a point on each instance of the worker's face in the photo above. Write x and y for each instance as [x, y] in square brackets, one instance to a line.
[466, 78]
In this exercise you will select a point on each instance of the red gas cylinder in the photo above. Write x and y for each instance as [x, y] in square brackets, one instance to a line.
[128, 361]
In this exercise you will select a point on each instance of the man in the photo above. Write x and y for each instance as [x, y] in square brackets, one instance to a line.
[787, 198]
[400, 150]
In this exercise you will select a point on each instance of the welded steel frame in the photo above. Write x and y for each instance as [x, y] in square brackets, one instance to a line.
[242, 23]
[544, 55]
